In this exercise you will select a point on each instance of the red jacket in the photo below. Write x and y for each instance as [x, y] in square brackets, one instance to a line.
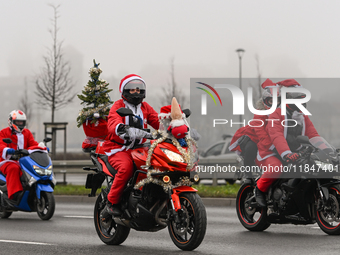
[278, 134]
[113, 143]
[256, 131]
[23, 140]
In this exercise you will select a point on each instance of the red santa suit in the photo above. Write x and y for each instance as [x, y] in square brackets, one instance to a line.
[116, 148]
[11, 168]
[256, 130]
[279, 135]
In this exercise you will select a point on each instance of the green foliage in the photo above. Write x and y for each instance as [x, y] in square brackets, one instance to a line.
[203, 190]
[95, 98]
[217, 191]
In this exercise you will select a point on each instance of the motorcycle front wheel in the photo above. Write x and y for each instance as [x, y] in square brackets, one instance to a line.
[189, 233]
[45, 205]
[107, 229]
[253, 219]
[328, 217]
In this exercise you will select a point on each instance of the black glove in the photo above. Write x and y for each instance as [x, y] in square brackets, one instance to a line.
[291, 157]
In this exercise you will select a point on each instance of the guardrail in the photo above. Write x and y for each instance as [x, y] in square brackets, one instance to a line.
[65, 167]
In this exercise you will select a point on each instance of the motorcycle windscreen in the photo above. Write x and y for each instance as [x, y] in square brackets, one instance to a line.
[321, 144]
[40, 158]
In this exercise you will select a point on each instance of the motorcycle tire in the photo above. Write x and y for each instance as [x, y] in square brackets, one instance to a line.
[328, 218]
[108, 231]
[45, 205]
[190, 233]
[4, 214]
[254, 219]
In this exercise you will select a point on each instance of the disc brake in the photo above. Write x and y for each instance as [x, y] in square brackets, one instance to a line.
[182, 228]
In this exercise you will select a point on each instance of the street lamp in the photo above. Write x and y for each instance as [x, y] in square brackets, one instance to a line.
[240, 53]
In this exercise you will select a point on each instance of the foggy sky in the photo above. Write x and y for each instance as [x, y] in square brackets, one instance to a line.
[292, 39]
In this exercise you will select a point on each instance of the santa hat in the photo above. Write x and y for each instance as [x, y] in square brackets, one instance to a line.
[128, 78]
[165, 112]
[177, 125]
[289, 83]
[268, 84]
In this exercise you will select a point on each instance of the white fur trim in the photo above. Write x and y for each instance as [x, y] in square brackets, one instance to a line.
[285, 153]
[4, 153]
[41, 150]
[177, 123]
[164, 116]
[20, 140]
[5, 161]
[260, 159]
[127, 80]
[115, 151]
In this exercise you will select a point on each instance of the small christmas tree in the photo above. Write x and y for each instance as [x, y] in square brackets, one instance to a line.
[92, 117]
[95, 97]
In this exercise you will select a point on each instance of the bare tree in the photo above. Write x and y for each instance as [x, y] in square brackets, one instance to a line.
[258, 74]
[172, 90]
[54, 84]
[25, 105]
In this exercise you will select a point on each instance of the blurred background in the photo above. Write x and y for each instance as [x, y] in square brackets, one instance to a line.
[167, 43]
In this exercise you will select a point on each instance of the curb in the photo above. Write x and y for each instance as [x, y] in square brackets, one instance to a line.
[207, 201]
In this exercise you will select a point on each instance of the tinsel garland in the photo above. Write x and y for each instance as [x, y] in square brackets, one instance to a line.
[183, 181]
[188, 157]
[90, 112]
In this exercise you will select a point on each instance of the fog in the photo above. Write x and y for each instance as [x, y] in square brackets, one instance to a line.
[292, 39]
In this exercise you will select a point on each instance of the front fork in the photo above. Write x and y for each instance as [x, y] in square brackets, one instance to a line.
[176, 203]
[175, 206]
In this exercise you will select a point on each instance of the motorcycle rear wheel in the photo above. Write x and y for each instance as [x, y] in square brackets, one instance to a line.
[253, 219]
[46, 205]
[190, 233]
[328, 218]
[109, 232]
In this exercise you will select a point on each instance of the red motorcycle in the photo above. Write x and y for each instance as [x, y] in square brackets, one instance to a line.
[159, 194]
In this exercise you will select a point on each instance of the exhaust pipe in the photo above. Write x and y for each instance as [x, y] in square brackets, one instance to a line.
[161, 221]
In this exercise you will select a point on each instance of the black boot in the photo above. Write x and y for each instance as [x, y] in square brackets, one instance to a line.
[260, 197]
[113, 209]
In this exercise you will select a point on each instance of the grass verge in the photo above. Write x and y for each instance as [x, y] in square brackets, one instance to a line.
[203, 190]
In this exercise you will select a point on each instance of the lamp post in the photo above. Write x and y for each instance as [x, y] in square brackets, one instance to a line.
[240, 53]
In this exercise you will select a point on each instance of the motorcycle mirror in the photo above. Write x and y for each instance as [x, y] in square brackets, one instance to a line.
[124, 112]
[303, 139]
[7, 140]
[187, 112]
[47, 139]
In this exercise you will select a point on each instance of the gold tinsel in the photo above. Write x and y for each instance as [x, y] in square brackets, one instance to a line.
[183, 181]
[187, 155]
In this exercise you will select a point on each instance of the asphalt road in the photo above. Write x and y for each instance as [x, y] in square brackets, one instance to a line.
[71, 231]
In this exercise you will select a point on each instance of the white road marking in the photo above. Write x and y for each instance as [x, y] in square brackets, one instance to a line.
[316, 227]
[75, 216]
[24, 242]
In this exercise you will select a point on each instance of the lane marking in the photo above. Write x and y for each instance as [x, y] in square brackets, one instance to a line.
[76, 216]
[316, 227]
[24, 242]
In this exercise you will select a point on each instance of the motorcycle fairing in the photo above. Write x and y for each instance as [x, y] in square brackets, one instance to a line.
[2, 177]
[43, 187]
[27, 163]
[23, 205]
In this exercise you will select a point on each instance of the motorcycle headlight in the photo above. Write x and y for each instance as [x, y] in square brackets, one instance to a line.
[173, 156]
[42, 171]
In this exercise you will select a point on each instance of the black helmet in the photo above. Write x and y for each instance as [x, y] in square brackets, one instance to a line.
[138, 91]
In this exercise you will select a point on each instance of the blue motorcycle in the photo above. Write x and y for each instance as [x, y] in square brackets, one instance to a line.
[38, 183]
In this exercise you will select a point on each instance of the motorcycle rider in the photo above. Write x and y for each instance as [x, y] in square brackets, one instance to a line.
[252, 138]
[124, 132]
[22, 138]
[283, 140]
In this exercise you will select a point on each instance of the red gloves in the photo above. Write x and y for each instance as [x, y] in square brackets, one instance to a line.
[291, 157]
